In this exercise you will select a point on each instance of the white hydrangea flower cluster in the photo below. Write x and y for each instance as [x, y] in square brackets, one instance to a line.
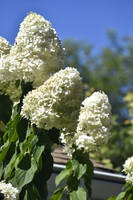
[94, 122]
[9, 192]
[67, 139]
[36, 54]
[4, 46]
[129, 178]
[128, 169]
[5, 74]
[57, 102]
[7, 87]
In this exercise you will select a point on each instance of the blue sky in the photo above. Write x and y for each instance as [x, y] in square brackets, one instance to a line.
[78, 19]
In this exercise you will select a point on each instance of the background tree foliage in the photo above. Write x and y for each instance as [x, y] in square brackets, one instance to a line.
[110, 70]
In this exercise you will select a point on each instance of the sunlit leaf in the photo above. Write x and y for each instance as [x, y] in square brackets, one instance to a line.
[57, 194]
[63, 174]
[78, 194]
[23, 177]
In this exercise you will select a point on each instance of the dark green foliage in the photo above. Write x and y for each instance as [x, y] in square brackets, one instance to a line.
[78, 168]
[26, 161]
[5, 108]
[57, 194]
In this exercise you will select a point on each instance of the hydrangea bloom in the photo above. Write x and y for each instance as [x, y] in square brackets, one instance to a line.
[8, 191]
[128, 165]
[4, 46]
[37, 52]
[7, 87]
[57, 102]
[94, 122]
[4, 52]
[128, 169]
[67, 139]
[129, 178]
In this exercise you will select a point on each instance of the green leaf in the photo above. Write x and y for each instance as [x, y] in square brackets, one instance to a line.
[57, 194]
[4, 150]
[87, 177]
[10, 136]
[78, 168]
[69, 164]
[78, 194]
[25, 162]
[75, 164]
[1, 169]
[130, 197]
[36, 193]
[22, 129]
[112, 198]
[81, 170]
[90, 170]
[43, 173]
[25, 197]
[120, 196]
[72, 182]
[32, 141]
[125, 186]
[23, 177]
[37, 152]
[47, 165]
[129, 193]
[11, 130]
[64, 173]
[5, 108]
[26, 146]
[30, 193]
[10, 166]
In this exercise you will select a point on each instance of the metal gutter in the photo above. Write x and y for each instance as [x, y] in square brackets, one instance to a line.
[107, 176]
